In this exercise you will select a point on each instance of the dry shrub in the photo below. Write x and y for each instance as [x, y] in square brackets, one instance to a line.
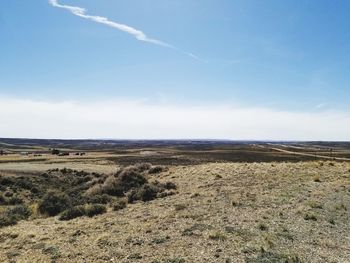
[72, 213]
[95, 209]
[81, 210]
[12, 215]
[156, 170]
[146, 193]
[132, 183]
[54, 203]
[119, 205]
[123, 181]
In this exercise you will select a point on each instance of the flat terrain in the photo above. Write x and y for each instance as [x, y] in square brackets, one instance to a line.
[234, 202]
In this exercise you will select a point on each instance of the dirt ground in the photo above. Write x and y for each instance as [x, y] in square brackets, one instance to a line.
[223, 212]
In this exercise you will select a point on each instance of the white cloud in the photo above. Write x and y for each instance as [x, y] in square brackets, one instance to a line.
[138, 34]
[127, 119]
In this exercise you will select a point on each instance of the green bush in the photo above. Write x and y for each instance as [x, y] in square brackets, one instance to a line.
[54, 203]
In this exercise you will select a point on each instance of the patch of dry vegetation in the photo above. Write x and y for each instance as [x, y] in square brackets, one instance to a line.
[73, 194]
[222, 212]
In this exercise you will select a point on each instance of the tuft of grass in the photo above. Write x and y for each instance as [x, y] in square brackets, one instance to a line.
[315, 204]
[267, 256]
[263, 227]
[160, 240]
[218, 236]
[340, 206]
[135, 256]
[179, 207]
[309, 217]
[52, 251]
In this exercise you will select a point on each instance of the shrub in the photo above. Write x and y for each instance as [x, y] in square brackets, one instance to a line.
[14, 214]
[6, 181]
[120, 183]
[14, 200]
[2, 200]
[72, 213]
[119, 205]
[54, 203]
[129, 179]
[55, 152]
[100, 199]
[24, 183]
[131, 182]
[95, 209]
[96, 189]
[156, 170]
[8, 193]
[7, 220]
[21, 212]
[169, 186]
[79, 211]
[146, 193]
[111, 186]
[140, 167]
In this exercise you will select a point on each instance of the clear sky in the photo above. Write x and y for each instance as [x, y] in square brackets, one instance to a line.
[228, 63]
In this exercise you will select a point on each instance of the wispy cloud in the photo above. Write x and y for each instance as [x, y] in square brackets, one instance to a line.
[138, 34]
[191, 55]
[137, 119]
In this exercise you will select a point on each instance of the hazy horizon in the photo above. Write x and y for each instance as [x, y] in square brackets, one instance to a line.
[238, 70]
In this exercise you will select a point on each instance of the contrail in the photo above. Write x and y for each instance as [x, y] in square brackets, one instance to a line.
[138, 34]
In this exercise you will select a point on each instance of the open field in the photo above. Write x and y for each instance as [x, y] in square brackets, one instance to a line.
[212, 201]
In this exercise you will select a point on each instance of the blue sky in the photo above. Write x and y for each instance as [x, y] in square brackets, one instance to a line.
[290, 56]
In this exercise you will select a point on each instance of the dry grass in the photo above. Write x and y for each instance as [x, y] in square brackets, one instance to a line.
[258, 212]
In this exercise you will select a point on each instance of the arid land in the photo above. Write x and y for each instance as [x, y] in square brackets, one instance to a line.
[190, 201]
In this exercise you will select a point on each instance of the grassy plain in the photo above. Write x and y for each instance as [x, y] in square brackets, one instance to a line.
[234, 202]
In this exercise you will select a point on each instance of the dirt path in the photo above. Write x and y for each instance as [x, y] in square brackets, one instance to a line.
[310, 154]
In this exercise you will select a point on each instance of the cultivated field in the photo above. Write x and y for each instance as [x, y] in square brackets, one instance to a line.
[174, 201]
